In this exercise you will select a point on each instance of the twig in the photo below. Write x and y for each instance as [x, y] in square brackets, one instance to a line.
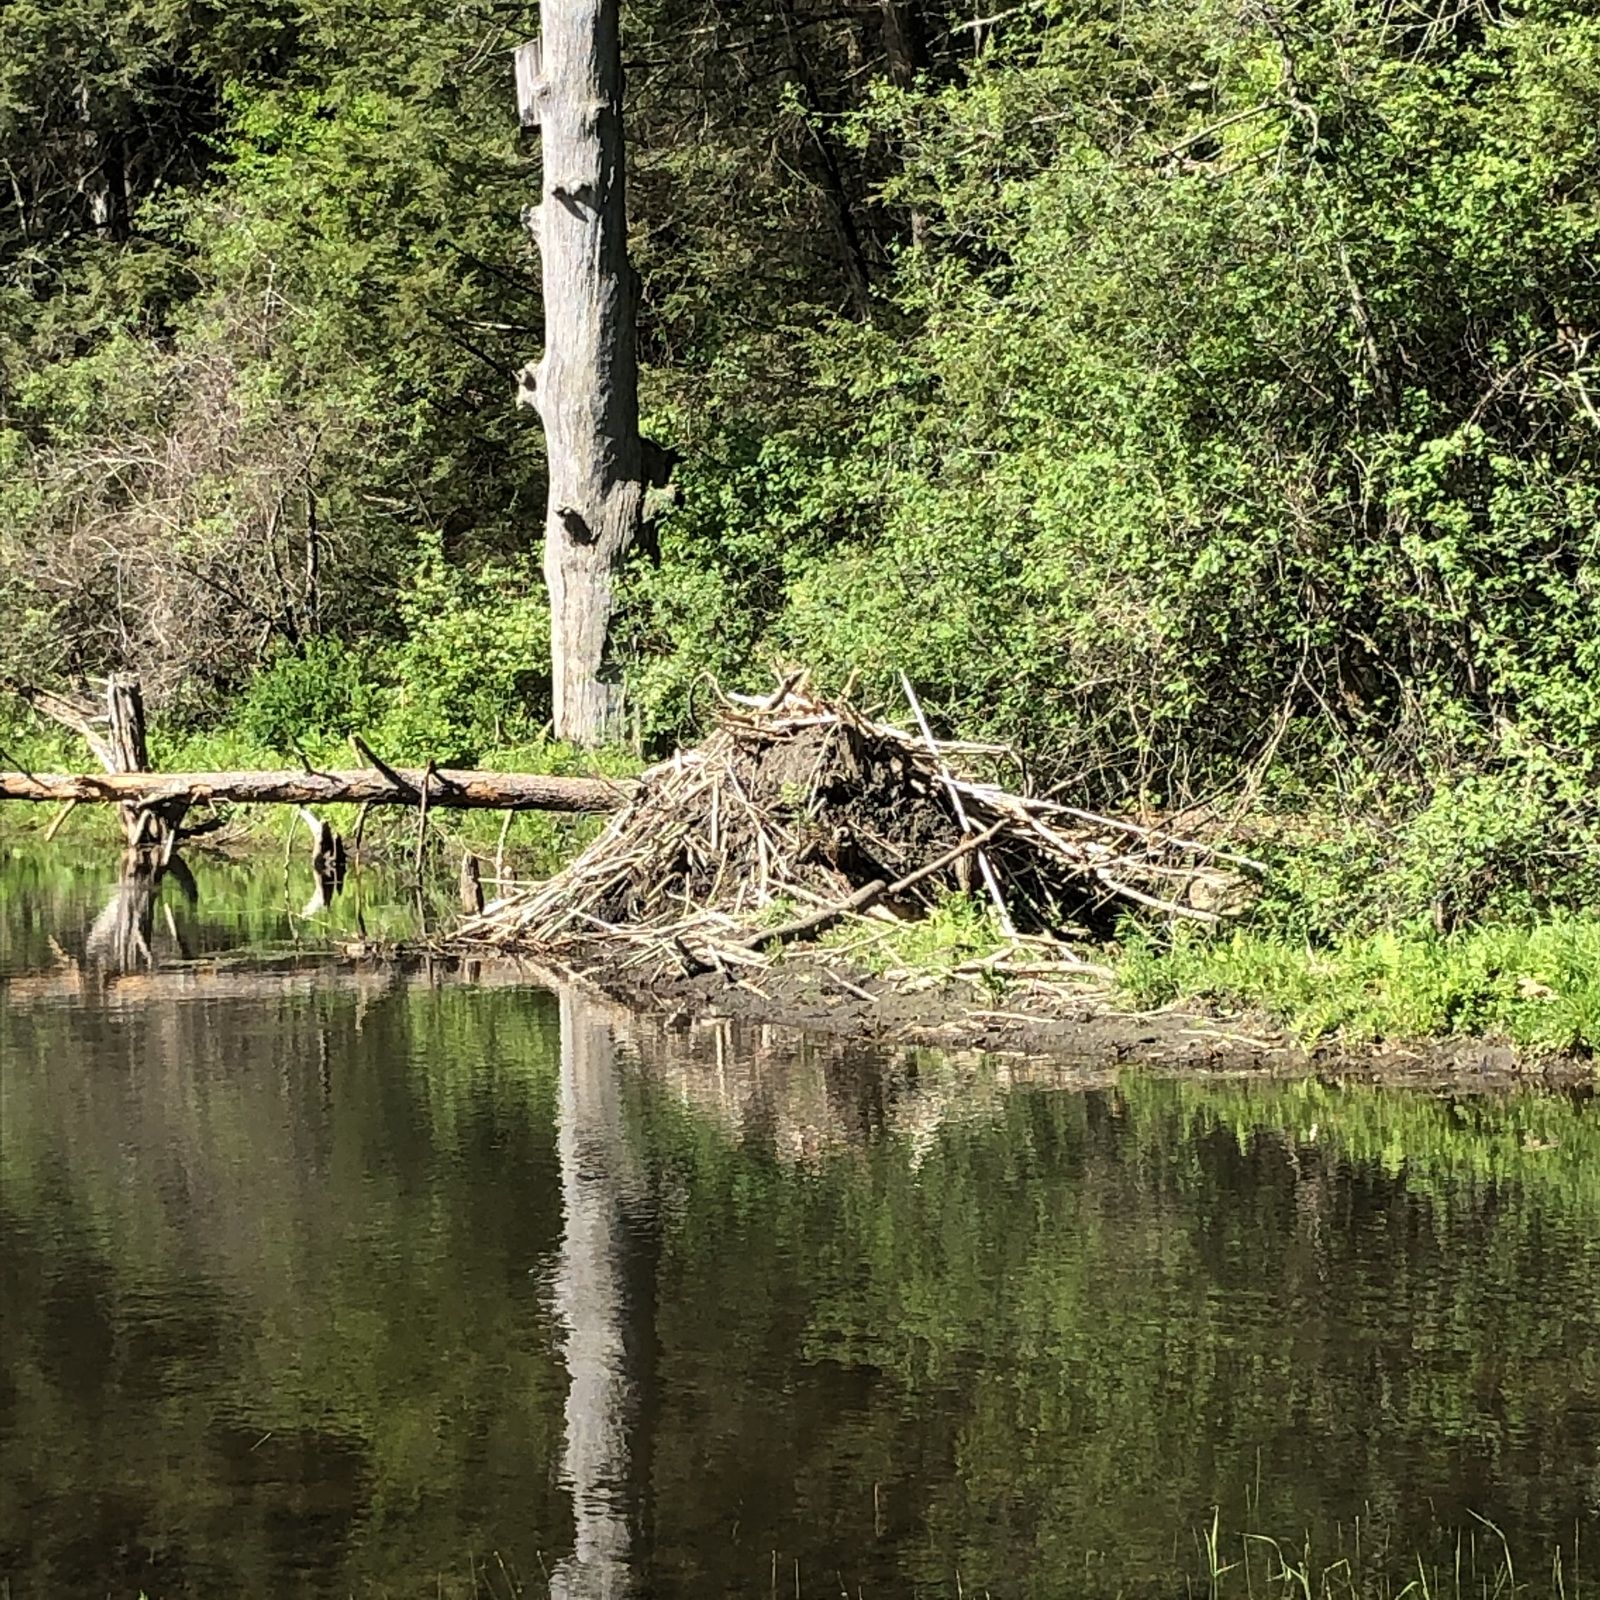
[422, 824]
[16, 766]
[949, 781]
[366, 751]
[355, 842]
[60, 817]
[500, 846]
[854, 988]
[1171, 907]
[865, 896]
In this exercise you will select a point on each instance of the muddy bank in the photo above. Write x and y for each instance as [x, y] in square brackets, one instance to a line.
[821, 998]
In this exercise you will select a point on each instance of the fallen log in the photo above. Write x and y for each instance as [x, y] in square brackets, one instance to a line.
[454, 789]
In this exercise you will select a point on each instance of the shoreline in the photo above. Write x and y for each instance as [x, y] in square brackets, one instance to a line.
[825, 1000]
[830, 995]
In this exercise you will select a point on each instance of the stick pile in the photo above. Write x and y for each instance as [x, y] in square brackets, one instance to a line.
[799, 812]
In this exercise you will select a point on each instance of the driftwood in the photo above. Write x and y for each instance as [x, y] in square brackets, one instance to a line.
[154, 805]
[451, 789]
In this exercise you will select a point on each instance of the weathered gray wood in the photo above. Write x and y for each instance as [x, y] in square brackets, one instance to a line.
[125, 717]
[585, 386]
[116, 737]
[147, 827]
[80, 716]
[458, 790]
[529, 82]
[470, 886]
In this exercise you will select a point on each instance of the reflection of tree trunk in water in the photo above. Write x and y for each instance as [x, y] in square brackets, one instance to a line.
[598, 1296]
[119, 939]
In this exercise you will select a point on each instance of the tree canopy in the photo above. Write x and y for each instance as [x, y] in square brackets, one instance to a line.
[1172, 389]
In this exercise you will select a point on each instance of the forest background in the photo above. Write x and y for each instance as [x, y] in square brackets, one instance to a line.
[1202, 396]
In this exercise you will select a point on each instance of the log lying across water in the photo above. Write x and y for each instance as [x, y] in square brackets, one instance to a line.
[452, 789]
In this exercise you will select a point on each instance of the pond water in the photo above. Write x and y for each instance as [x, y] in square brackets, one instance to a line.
[336, 1279]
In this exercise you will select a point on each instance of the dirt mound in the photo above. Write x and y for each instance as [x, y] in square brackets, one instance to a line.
[797, 812]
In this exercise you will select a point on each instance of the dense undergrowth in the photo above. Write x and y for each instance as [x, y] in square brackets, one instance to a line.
[1534, 984]
[1200, 398]
[1537, 986]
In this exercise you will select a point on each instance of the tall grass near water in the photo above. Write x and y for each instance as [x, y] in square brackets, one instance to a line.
[1536, 986]
[1470, 1563]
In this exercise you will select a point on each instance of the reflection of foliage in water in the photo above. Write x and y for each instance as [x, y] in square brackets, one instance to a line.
[294, 1318]
[1548, 1146]
[1078, 1326]
[239, 904]
[276, 1305]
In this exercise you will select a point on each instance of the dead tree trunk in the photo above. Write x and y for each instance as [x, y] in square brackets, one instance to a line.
[149, 825]
[585, 387]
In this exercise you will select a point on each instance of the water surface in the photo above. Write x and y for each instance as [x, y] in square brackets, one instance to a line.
[341, 1279]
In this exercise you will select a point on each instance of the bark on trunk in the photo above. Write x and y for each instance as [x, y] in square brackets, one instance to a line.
[462, 790]
[585, 387]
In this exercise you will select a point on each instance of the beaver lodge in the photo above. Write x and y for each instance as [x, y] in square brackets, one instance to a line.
[798, 813]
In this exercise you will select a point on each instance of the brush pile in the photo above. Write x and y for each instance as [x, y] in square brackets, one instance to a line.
[797, 813]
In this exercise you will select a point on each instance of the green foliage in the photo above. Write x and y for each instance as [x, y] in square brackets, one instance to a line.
[235, 420]
[312, 699]
[1172, 394]
[1536, 986]
[1515, 841]
[469, 674]
[962, 928]
[473, 670]
[1235, 392]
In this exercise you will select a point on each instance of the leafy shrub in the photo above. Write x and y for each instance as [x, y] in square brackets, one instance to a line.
[312, 699]
[1196, 408]
[473, 669]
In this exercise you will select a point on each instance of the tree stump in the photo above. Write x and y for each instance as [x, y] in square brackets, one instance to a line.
[150, 827]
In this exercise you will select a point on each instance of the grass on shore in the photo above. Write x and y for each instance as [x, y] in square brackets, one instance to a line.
[1537, 985]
